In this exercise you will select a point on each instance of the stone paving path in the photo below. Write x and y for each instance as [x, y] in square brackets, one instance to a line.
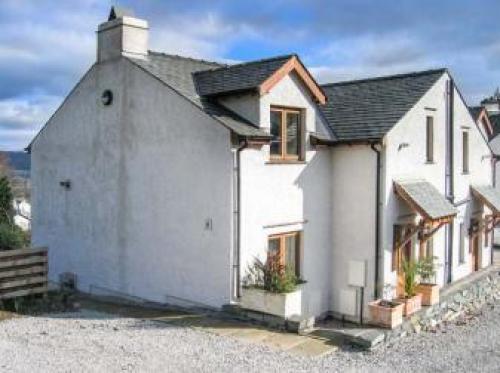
[310, 346]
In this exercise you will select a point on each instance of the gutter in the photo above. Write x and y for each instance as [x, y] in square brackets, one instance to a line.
[377, 220]
[236, 283]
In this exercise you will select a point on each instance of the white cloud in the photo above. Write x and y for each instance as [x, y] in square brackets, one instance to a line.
[205, 35]
[369, 55]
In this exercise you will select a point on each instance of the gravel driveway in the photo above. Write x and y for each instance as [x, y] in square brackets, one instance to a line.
[93, 341]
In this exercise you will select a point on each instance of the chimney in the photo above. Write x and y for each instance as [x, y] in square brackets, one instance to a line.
[122, 35]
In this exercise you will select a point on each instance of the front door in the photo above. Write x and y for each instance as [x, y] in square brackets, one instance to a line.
[474, 245]
[474, 249]
[402, 253]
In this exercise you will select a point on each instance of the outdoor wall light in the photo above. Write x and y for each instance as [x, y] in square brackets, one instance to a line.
[66, 184]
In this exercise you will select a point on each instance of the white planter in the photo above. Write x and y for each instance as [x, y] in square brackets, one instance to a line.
[287, 305]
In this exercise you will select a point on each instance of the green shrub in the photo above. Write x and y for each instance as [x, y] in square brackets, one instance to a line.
[12, 237]
[427, 269]
[6, 198]
[410, 269]
[272, 276]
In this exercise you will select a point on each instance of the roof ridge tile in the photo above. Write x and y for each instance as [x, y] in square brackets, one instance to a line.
[388, 77]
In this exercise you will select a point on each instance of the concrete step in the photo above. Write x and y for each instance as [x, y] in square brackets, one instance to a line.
[365, 338]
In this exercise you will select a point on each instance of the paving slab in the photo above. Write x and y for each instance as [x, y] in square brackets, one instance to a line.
[313, 347]
[283, 341]
[252, 335]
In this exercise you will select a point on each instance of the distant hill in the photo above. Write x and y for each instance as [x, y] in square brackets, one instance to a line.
[19, 161]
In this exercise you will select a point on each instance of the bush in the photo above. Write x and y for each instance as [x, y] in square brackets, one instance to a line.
[410, 269]
[427, 269]
[12, 237]
[272, 276]
[6, 198]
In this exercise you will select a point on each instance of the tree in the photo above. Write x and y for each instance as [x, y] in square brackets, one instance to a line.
[6, 198]
[4, 165]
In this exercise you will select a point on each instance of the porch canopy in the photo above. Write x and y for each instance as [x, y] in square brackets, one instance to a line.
[489, 197]
[425, 199]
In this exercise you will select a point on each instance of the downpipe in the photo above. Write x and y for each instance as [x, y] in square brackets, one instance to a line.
[237, 217]
[377, 222]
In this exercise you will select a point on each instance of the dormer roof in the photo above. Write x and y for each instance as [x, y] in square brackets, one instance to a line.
[259, 76]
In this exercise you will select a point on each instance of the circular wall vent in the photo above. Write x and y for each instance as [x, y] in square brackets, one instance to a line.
[107, 97]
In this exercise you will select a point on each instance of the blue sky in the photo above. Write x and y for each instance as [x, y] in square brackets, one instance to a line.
[45, 46]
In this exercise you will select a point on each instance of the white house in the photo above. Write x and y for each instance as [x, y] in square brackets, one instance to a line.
[22, 213]
[163, 177]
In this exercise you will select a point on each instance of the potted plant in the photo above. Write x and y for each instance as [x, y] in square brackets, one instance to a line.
[272, 288]
[427, 286]
[385, 312]
[412, 300]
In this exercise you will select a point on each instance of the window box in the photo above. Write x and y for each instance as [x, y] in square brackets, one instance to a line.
[286, 305]
[430, 294]
[386, 314]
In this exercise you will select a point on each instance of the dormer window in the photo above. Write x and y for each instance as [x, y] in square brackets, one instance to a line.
[286, 132]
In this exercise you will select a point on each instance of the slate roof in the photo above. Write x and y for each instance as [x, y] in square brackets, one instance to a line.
[237, 78]
[426, 198]
[177, 73]
[365, 110]
[489, 195]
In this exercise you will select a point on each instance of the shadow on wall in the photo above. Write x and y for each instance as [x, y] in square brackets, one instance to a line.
[315, 183]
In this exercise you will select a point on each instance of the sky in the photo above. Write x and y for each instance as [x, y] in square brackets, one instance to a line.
[46, 46]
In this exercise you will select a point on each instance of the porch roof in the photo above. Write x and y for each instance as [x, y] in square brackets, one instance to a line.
[488, 196]
[424, 198]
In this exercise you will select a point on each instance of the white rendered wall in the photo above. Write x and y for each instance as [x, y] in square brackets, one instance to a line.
[147, 174]
[353, 221]
[405, 158]
[279, 198]
[480, 173]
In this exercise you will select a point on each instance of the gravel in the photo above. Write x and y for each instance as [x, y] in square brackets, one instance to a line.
[93, 341]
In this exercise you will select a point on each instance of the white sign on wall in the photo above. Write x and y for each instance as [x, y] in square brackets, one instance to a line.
[357, 273]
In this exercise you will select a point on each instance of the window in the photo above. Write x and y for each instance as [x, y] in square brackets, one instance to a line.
[465, 152]
[430, 139]
[286, 247]
[427, 248]
[286, 133]
[462, 243]
[486, 237]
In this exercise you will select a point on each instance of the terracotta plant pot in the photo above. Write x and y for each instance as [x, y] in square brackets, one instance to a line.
[430, 294]
[411, 305]
[386, 314]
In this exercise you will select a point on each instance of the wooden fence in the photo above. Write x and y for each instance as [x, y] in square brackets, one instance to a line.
[23, 272]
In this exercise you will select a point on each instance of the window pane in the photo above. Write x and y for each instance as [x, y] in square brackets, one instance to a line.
[430, 247]
[462, 243]
[273, 247]
[292, 133]
[465, 151]
[275, 132]
[291, 252]
[430, 139]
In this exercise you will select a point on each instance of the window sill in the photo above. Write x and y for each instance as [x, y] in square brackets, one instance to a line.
[285, 161]
[466, 173]
[430, 162]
